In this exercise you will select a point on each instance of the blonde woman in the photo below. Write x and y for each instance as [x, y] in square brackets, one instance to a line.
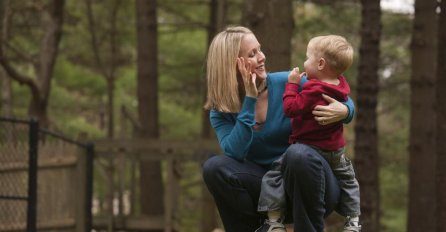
[246, 112]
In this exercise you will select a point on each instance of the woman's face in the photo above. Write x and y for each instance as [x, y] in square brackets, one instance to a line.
[250, 51]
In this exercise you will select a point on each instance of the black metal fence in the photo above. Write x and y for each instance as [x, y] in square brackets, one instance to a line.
[19, 150]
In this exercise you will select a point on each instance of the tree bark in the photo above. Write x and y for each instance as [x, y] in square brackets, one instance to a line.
[6, 84]
[421, 212]
[48, 53]
[441, 121]
[41, 86]
[6, 88]
[217, 22]
[272, 23]
[151, 186]
[366, 135]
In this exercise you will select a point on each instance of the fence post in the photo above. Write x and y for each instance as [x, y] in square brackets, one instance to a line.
[89, 187]
[32, 176]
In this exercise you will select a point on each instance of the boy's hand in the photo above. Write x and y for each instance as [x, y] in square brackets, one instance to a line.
[294, 76]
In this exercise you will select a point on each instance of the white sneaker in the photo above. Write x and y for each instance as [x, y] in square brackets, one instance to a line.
[351, 226]
[270, 226]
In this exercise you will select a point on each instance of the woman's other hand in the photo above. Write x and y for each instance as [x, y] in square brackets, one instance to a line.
[249, 79]
[333, 112]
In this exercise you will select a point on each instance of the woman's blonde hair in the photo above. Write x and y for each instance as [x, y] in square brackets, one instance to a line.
[224, 93]
[335, 49]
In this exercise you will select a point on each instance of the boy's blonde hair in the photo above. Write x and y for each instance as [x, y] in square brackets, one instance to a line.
[335, 49]
[222, 85]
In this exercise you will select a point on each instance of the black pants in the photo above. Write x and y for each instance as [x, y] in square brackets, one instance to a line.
[311, 188]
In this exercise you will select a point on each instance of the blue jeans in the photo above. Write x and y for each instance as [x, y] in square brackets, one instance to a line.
[312, 190]
[342, 168]
[272, 193]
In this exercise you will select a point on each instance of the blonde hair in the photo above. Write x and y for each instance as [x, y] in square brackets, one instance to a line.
[335, 49]
[223, 88]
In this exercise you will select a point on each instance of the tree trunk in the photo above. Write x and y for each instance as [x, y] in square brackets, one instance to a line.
[151, 186]
[421, 212]
[366, 135]
[217, 23]
[6, 83]
[272, 23]
[6, 89]
[48, 53]
[441, 121]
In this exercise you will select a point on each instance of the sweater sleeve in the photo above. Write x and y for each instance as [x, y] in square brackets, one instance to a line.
[349, 103]
[297, 102]
[351, 110]
[235, 136]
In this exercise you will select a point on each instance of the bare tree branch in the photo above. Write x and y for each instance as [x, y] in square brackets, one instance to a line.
[179, 13]
[113, 43]
[4, 62]
[21, 55]
[131, 117]
[94, 40]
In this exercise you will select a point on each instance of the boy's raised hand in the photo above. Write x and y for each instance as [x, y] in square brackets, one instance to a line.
[294, 76]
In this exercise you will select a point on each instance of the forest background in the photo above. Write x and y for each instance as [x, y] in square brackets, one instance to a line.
[94, 80]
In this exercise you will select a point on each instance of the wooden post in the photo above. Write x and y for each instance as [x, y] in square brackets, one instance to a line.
[168, 203]
[81, 168]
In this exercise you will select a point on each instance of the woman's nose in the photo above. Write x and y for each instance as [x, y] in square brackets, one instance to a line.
[262, 56]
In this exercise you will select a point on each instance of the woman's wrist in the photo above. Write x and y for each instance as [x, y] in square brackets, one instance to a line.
[253, 94]
[345, 112]
[350, 110]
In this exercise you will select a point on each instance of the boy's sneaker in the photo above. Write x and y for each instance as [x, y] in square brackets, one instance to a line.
[270, 226]
[351, 226]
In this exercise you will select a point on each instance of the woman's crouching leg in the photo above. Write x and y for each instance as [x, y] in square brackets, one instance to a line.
[235, 186]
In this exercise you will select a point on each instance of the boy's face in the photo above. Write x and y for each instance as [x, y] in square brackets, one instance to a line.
[311, 64]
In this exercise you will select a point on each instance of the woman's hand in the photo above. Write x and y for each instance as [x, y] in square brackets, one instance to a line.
[333, 112]
[249, 79]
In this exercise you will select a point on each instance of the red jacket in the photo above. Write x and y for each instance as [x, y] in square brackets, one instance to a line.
[298, 107]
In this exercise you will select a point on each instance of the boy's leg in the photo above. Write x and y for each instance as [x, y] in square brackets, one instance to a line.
[272, 199]
[349, 205]
[272, 194]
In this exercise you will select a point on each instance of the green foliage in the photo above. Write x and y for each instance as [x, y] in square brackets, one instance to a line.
[20, 103]
[77, 79]
[182, 72]
[76, 94]
[178, 121]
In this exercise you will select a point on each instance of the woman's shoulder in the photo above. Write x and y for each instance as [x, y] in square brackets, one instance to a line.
[278, 78]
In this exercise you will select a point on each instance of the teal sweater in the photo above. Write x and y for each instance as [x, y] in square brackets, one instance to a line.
[237, 137]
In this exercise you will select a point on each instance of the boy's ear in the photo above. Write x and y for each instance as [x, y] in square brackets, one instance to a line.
[321, 64]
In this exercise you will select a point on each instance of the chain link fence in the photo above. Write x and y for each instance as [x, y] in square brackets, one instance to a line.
[21, 209]
[18, 174]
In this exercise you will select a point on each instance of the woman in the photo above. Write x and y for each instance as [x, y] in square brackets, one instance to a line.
[247, 115]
